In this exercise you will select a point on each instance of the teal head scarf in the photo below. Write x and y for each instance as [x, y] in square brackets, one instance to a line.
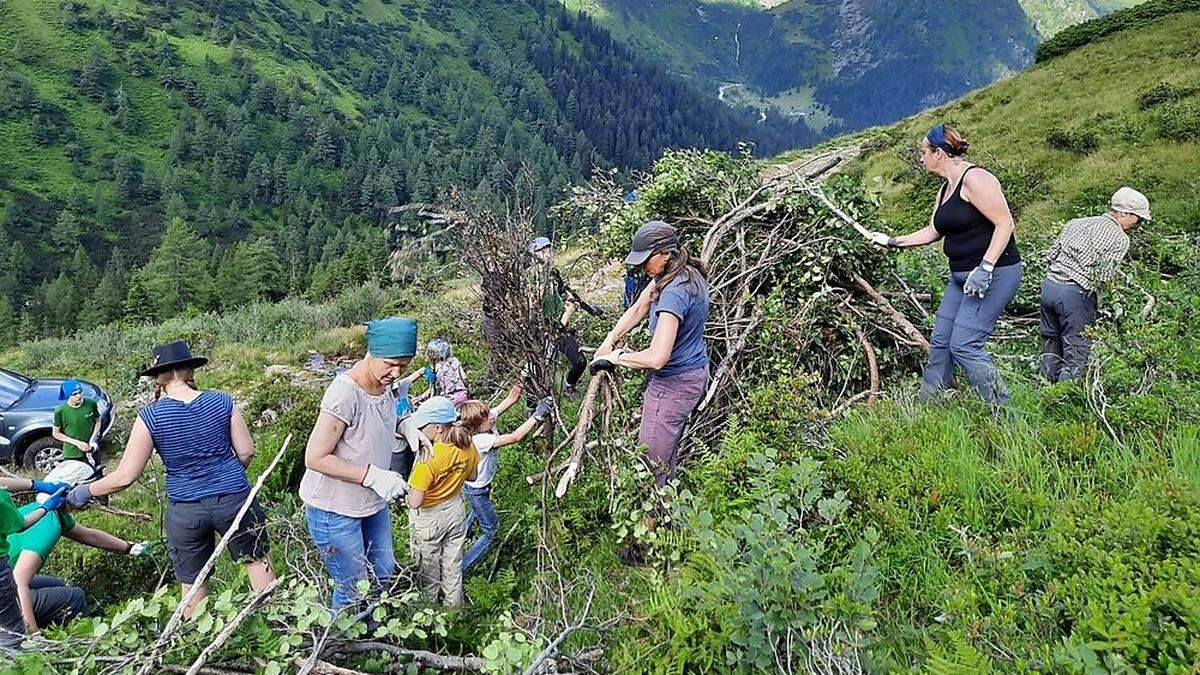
[392, 338]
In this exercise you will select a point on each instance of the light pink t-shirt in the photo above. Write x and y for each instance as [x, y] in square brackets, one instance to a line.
[368, 439]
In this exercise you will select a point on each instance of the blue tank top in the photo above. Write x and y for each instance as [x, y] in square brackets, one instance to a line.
[195, 444]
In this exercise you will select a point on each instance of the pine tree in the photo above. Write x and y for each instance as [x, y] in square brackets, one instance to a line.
[94, 76]
[108, 296]
[64, 236]
[138, 306]
[8, 322]
[61, 305]
[124, 112]
[176, 277]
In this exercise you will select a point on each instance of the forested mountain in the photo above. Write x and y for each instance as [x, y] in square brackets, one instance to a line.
[173, 156]
[840, 64]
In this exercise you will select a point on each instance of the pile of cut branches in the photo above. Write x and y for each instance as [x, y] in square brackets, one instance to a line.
[795, 287]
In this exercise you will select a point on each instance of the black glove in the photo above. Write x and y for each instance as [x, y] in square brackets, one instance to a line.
[607, 363]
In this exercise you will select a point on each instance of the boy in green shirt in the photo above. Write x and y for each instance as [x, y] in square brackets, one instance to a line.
[76, 423]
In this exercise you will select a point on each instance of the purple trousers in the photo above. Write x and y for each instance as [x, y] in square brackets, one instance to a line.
[666, 405]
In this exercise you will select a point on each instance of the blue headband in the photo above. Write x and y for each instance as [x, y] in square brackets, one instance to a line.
[937, 138]
[392, 338]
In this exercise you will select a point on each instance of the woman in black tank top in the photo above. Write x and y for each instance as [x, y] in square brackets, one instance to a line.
[972, 218]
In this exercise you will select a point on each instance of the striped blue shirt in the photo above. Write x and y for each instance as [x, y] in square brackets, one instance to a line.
[194, 442]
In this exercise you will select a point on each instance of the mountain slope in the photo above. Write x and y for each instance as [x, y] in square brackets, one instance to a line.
[897, 537]
[1051, 16]
[840, 64]
[297, 125]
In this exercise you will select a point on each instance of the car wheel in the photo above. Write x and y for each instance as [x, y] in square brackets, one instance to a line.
[42, 455]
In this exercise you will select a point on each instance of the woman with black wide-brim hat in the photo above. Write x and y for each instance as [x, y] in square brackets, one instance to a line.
[205, 446]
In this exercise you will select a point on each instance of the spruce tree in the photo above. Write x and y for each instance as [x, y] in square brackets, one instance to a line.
[176, 277]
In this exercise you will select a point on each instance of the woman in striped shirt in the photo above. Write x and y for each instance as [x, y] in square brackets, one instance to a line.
[205, 447]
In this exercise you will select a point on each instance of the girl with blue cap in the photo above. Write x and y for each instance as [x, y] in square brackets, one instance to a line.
[347, 484]
[436, 513]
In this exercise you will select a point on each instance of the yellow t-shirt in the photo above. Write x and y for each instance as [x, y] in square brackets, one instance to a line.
[443, 475]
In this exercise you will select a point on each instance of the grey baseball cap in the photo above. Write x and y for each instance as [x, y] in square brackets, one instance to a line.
[1128, 200]
[653, 236]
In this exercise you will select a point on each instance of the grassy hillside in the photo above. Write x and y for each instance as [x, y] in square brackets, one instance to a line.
[897, 537]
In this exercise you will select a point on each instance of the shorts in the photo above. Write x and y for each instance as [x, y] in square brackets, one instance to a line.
[194, 527]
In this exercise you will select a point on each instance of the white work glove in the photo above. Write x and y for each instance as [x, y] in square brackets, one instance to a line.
[386, 484]
[882, 239]
[417, 441]
[143, 548]
[608, 362]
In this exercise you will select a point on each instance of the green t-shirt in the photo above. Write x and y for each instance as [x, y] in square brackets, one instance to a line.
[11, 521]
[40, 538]
[78, 423]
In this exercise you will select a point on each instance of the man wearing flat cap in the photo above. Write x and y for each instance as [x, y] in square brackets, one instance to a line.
[1083, 258]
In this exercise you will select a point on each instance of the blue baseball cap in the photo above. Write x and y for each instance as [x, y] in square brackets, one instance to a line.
[66, 389]
[435, 410]
[539, 244]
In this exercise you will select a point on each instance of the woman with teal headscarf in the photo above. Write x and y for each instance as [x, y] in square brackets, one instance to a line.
[347, 484]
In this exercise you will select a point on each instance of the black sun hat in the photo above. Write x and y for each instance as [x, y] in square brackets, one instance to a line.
[172, 355]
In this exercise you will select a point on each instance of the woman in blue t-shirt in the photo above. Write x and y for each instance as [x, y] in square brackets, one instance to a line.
[205, 447]
[676, 302]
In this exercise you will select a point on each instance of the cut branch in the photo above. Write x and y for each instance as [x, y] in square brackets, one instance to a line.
[425, 658]
[228, 630]
[587, 412]
[900, 320]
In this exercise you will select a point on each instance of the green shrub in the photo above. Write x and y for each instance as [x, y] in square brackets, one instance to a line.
[1077, 36]
[1080, 141]
[777, 577]
[1178, 122]
[1163, 92]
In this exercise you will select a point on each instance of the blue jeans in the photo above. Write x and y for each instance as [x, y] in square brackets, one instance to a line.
[489, 523]
[354, 549]
[960, 332]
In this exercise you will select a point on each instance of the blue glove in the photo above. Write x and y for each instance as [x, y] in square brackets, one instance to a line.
[429, 375]
[55, 501]
[979, 280]
[78, 498]
[48, 487]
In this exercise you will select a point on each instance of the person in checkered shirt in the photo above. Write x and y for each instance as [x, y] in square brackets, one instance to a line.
[1083, 258]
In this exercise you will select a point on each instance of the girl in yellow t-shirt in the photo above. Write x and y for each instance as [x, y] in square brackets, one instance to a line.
[436, 517]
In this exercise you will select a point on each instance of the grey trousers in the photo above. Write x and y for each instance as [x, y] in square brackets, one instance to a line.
[960, 334]
[1067, 310]
[54, 602]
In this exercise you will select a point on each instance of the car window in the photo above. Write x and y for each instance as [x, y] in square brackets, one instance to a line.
[12, 386]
